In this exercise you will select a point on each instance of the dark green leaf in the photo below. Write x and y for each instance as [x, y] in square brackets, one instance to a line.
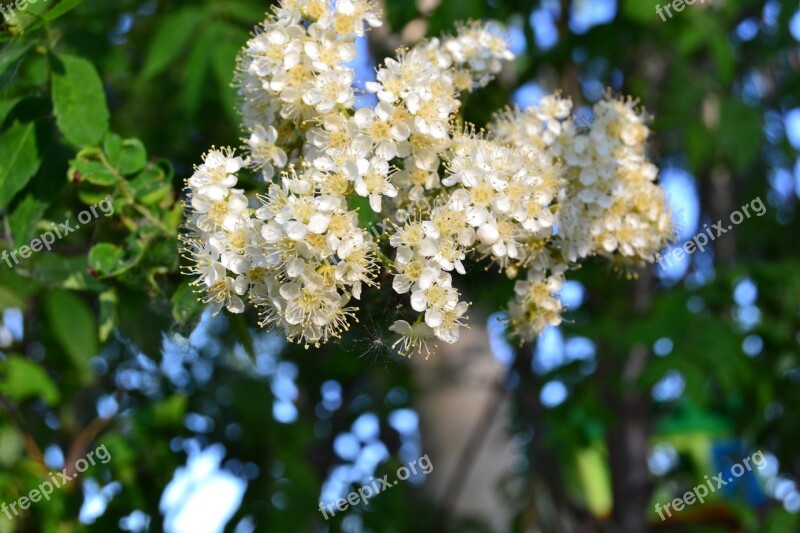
[62, 8]
[11, 52]
[19, 159]
[79, 101]
[43, 189]
[73, 324]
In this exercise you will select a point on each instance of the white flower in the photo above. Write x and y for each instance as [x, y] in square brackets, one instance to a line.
[264, 153]
[412, 338]
[434, 298]
[386, 129]
[217, 175]
[371, 179]
[330, 89]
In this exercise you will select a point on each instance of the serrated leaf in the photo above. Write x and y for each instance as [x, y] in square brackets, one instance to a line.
[25, 379]
[105, 258]
[126, 155]
[19, 159]
[94, 172]
[171, 39]
[73, 324]
[150, 186]
[79, 101]
[39, 194]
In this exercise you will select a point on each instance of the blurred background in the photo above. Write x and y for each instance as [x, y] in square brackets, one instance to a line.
[651, 383]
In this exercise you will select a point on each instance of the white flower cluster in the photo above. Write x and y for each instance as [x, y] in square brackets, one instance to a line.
[611, 206]
[298, 253]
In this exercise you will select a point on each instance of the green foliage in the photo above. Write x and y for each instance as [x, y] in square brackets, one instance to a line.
[19, 159]
[23, 379]
[118, 99]
[79, 101]
[73, 325]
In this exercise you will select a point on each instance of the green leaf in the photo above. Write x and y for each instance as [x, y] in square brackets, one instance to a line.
[38, 196]
[171, 39]
[94, 172]
[367, 218]
[128, 156]
[61, 8]
[7, 105]
[27, 19]
[198, 65]
[11, 52]
[25, 379]
[185, 304]
[73, 324]
[91, 194]
[79, 101]
[19, 159]
[57, 271]
[108, 313]
[105, 258]
[150, 186]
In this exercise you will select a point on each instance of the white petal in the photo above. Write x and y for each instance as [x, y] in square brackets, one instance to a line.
[401, 326]
[318, 223]
[419, 302]
[290, 291]
[434, 317]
